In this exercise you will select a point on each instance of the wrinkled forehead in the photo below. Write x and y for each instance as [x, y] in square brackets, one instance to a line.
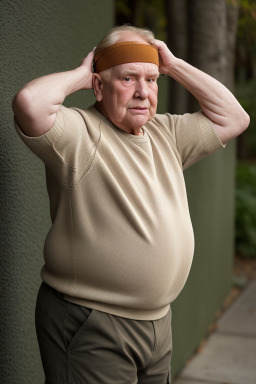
[136, 69]
[125, 52]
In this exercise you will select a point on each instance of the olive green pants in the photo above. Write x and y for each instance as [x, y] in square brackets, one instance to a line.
[79, 345]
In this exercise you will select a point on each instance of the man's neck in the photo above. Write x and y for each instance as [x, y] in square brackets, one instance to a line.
[99, 107]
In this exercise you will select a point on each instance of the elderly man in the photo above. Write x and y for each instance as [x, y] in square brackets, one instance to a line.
[121, 242]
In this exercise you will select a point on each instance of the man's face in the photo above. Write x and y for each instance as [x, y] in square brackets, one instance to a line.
[129, 95]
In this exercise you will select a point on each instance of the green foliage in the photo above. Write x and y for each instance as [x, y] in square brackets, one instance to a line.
[122, 6]
[246, 39]
[247, 22]
[246, 210]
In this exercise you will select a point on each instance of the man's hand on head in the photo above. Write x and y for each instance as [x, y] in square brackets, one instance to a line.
[166, 58]
[87, 66]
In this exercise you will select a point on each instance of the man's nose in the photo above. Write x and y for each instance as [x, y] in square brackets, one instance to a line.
[141, 90]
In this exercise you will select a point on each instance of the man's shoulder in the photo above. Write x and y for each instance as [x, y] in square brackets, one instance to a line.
[162, 122]
[78, 110]
[88, 117]
[171, 121]
[160, 118]
[164, 119]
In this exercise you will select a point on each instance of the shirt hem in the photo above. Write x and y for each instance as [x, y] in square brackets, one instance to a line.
[128, 313]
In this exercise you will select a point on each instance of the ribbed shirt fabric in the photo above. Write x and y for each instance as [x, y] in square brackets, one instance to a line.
[121, 239]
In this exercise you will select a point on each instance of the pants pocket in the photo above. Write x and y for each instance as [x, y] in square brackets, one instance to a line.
[59, 325]
[76, 323]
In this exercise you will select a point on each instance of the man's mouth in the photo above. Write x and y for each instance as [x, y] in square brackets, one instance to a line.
[138, 110]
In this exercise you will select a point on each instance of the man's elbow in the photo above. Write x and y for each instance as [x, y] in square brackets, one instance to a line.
[233, 127]
[21, 103]
[23, 106]
[245, 121]
[240, 122]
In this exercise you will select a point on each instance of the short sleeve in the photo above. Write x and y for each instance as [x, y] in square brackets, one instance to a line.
[194, 136]
[67, 148]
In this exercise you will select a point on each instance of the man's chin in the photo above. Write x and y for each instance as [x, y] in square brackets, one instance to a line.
[133, 123]
[138, 121]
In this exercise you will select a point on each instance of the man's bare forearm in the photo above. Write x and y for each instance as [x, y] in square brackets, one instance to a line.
[216, 101]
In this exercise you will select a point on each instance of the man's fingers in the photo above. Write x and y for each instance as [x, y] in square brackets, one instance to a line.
[88, 60]
[159, 44]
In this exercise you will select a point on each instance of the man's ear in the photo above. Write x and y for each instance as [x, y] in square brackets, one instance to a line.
[97, 86]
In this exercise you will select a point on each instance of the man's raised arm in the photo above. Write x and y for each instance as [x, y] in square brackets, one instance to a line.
[216, 101]
[36, 104]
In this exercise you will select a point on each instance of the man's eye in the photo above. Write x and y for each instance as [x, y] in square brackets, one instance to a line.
[127, 79]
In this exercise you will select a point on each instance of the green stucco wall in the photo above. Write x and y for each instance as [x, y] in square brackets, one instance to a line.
[51, 36]
[37, 38]
[210, 186]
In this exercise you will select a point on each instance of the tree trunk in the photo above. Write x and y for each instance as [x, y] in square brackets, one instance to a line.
[207, 31]
[177, 41]
[203, 33]
[232, 14]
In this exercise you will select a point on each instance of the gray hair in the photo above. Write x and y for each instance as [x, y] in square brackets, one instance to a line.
[113, 35]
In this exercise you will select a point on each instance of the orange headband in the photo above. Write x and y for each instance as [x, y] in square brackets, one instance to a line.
[125, 52]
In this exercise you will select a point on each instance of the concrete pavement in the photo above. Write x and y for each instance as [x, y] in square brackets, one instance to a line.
[229, 356]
